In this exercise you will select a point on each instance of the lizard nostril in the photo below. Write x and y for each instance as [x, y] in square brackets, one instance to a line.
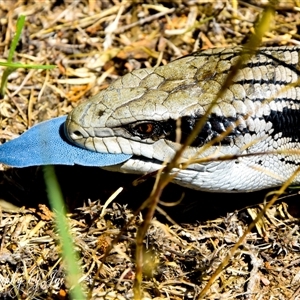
[77, 133]
[73, 132]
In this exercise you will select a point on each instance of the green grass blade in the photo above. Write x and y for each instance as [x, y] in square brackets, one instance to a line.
[14, 43]
[13, 46]
[69, 257]
[14, 66]
[4, 78]
[11, 66]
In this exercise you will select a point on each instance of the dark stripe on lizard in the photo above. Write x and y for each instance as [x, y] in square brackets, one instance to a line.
[286, 122]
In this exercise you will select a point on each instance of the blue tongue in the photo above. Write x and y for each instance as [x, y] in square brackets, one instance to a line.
[45, 144]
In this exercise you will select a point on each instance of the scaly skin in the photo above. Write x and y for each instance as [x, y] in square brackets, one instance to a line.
[137, 115]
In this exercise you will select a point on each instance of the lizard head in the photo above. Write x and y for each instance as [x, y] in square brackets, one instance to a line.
[150, 112]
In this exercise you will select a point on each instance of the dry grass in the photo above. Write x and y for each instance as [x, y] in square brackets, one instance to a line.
[92, 43]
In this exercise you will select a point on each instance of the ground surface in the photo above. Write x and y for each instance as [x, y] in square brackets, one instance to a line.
[92, 43]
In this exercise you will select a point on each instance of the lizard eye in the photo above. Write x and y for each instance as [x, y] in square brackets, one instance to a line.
[145, 129]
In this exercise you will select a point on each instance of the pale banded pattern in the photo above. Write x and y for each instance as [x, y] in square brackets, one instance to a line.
[141, 112]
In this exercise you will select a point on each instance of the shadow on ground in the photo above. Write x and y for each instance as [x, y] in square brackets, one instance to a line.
[25, 187]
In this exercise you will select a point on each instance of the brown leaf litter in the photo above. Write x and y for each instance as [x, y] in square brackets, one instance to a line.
[93, 42]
